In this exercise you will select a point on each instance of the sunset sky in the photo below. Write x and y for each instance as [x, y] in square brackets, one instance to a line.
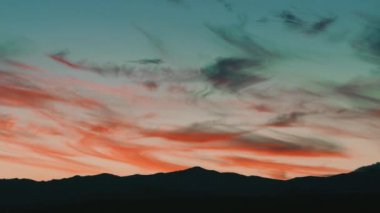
[278, 89]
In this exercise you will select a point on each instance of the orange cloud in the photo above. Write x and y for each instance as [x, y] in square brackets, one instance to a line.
[70, 167]
[17, 91]
[242, 141]
[191, 136]
[276, 169]
[23, 66]
[95, 127]
[137, 155]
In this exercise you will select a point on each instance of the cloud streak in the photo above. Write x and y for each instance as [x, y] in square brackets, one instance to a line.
[295, 22]
[279, 170]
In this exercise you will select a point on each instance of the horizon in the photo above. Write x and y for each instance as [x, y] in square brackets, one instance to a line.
[260, 88]
[187, 169]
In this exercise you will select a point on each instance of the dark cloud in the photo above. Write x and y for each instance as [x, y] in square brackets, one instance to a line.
[235, 73]
[231, 73]
[139, 73]
[291, 20]
[290, 145]
[105, 70]
[312, 28]
[287, 119]
[321, 25]
[368, 43]
[149, 61]
[362, 91]
[151, 85]
[217, 136]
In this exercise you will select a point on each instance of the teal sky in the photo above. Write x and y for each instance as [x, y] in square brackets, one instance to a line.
[282, 81]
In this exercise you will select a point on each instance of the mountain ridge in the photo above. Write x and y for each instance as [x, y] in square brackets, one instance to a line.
[193, 184]
[198, 169]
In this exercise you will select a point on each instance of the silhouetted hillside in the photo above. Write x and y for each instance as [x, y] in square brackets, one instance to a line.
[188, 189]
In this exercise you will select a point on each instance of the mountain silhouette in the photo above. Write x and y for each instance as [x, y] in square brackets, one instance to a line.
[188, 189]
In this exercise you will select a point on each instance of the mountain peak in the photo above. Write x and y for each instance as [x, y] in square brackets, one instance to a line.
[198, 170]
[370, 168]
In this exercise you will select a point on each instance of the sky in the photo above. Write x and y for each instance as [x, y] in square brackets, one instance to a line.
[278, 89]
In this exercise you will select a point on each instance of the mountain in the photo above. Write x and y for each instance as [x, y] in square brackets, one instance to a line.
[190, 188]
[371, 168]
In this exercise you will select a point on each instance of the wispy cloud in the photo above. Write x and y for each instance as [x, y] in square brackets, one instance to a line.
[154, 40]
[295, 22]
[367, 43]
[234, 73]
[280, 170]
[241, 40]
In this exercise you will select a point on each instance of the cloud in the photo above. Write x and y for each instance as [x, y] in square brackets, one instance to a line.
[34, 153]
[321, 25]
[278, 170]
[140, 73]
[232, 74]
[22, 66]
[69, 167]
[312, 28]
[227, 5]
[67, 135]
[368, 43]
[197, 133]
[285, 120]
[68, 125]
[61, 57]
[106, 70]
[206, 137]
[151, 85]
[295, 146]
[242, 41]
[263, 108]
[361, 90]
[7, 122]
[104, 146]
[149, 61]
[20, 91]
[291, 20]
